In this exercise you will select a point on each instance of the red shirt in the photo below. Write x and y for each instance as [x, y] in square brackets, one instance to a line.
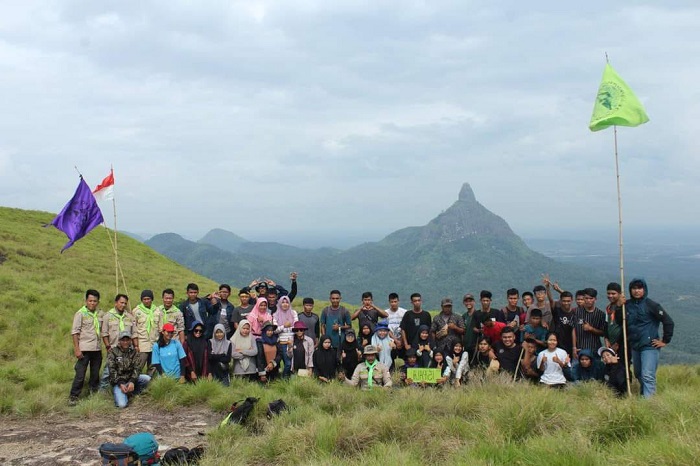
[494, 333]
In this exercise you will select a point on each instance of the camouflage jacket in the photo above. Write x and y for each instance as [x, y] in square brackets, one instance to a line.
[123, 365]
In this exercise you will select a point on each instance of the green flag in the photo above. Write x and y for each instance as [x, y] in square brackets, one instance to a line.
[616, 104]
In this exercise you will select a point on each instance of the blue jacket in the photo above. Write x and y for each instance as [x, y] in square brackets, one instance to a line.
[643, 319]
[205, 310]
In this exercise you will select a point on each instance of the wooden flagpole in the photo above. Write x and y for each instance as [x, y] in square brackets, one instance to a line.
[622, 266]
[114, 245]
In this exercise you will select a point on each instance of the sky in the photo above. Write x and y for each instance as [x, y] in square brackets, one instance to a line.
[323, 123]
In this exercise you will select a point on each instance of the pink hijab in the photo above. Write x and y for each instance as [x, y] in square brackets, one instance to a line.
[257, 318]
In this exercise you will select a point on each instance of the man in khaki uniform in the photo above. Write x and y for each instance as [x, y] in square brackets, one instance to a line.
[86, 346]
[113, 323]
[172, 314]
[147, 324]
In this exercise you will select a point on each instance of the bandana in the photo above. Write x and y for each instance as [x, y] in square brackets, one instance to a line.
[370, 373]
[95, 320]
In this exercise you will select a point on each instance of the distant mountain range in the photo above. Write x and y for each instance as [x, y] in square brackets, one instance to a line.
[466, 248]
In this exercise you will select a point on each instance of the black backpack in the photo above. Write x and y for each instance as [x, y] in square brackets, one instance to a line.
[240, 412]
[118, 454]
[276, 407]
[182, 456]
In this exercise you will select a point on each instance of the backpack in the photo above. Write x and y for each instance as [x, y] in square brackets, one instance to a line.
[276, 407]
[239, 413]
[145, 445]
[118, 454]
[180, 456]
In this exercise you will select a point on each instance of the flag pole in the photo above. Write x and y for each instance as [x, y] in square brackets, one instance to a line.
[622, 266]
[116, 250]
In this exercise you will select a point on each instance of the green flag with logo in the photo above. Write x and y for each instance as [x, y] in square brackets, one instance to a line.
[616, 104]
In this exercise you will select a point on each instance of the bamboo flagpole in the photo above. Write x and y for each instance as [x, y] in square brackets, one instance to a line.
[616, 105]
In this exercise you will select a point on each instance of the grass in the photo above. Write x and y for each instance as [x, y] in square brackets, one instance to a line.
[481, 424]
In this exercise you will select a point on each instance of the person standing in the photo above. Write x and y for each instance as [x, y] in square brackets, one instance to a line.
[369, 313]
[589, 324]
[196, 309]
[447, 328]
[86, 346]
[335, 320]
[147, 324]
[170, 313]
[643, 319]
[222, 309]
[413, 320]
[395, 315]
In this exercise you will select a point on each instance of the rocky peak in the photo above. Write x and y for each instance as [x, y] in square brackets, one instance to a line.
[466, 193]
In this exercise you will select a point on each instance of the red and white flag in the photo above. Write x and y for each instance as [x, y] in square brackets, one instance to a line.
[105, 190]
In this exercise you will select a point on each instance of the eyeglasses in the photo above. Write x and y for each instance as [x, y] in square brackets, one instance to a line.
[169, 333]
[197, 331]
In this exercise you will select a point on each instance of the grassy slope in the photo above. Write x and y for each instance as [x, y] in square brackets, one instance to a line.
[40, 290]
[497, 423]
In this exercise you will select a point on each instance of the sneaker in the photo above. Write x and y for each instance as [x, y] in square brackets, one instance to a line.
[72, 401]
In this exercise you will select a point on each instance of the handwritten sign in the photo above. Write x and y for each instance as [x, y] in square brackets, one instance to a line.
[423, 375]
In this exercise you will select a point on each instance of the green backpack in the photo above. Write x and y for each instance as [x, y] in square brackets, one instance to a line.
[145, 444]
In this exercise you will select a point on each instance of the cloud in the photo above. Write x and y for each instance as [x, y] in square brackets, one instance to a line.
[332, 116]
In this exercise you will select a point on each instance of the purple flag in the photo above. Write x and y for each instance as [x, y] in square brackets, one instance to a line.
[79, 216]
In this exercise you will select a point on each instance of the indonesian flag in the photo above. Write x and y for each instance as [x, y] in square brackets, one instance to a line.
[105, 190]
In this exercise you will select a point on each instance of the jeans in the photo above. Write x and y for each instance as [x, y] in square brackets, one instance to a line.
[104, 378]
[287, 371]
[94, 360]
[122, 399]
[645, 363]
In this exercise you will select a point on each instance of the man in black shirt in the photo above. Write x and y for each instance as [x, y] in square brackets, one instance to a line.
[413, 319]
[508, 352]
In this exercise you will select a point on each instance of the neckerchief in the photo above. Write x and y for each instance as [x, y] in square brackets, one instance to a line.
[149, 316]
[370, 373]
[95, 320]
[120, 317]
[165, 314]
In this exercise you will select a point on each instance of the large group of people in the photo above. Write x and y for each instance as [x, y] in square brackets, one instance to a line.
[535, 337]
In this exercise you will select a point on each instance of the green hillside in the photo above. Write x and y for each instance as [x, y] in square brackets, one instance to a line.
[40, 290]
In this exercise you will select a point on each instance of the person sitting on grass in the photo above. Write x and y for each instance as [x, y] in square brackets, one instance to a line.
[440, 362]
[197, 353]
[244, 351]
[124, 377]
[588, 368]
[300, 351]
[552, 361]
[370, 373]
[614, 376]
[411, 362]
[458, 360]
[272, 353]
[424, 346]
[528, 365]
[325, 360]
[220, 355]
[535, 331]
[384, 344]
[508, 353]
[350, 353]
[168, 354]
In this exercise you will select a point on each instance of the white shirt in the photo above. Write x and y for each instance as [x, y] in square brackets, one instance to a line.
[553, 373]
[394, 321]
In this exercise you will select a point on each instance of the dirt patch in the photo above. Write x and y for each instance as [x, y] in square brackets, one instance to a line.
[61, 440]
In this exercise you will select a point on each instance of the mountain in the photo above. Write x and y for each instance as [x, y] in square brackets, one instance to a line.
[464, 248]
[223, 239]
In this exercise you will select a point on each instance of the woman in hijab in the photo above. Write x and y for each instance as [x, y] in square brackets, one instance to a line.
[365, 337]
[243, 351]
[272, 353]
[284, 319]
[325, 360]
[424, 346]
[350, 353]
[197, 365]
[220, 355]
[258, 316]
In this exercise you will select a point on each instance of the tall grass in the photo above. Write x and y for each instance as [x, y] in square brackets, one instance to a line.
[497, 422]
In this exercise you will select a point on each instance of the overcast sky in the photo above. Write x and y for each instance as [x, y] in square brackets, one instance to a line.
[350, 119]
